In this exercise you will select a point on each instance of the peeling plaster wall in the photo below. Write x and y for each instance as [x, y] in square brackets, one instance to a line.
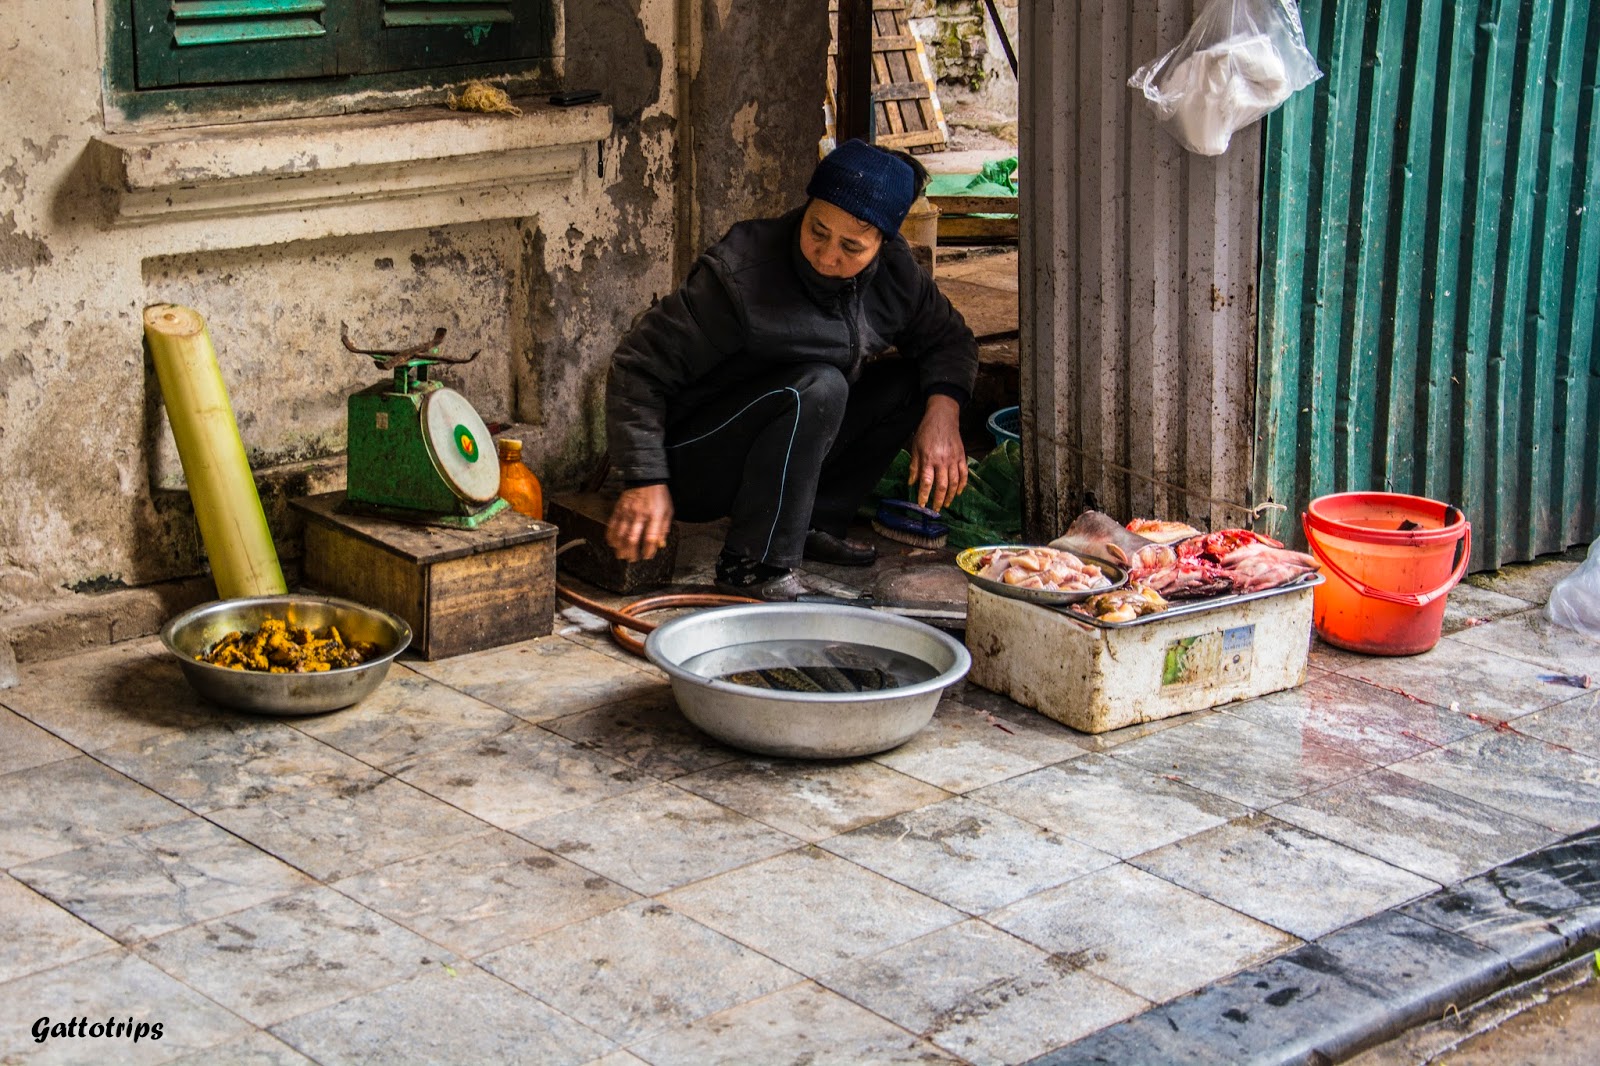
[86, 461]
[91, 490]
[755, 109]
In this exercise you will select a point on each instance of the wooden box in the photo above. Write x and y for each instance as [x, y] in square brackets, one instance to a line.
[583, 516]
[461, 590]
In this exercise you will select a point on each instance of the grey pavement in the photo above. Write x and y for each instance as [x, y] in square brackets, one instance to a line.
[526, 854]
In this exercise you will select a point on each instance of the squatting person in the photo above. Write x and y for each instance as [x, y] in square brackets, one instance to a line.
[752, 392]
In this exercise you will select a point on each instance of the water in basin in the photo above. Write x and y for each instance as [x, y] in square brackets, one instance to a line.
[811, 666]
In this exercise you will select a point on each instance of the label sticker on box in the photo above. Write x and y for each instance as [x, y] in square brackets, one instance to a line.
[1223, 656]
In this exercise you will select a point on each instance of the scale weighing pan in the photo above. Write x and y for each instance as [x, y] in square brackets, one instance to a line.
[968, 561]
[455, 436]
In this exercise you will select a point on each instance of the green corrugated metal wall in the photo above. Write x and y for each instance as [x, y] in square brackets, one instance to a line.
[1429, 320]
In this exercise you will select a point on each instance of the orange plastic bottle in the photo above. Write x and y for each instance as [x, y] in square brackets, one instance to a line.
[518, 486]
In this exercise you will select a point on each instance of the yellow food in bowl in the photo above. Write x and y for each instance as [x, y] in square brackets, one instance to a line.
[280, 648]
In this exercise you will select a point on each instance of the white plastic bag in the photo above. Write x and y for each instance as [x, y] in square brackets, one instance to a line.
[1239, 61]
[1575, 601]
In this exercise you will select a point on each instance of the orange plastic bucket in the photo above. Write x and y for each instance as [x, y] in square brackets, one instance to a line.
[1388, 561]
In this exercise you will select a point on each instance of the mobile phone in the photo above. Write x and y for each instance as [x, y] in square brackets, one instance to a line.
[569, 97]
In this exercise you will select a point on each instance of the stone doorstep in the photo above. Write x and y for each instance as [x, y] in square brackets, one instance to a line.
[84, 621]
[1329, 999]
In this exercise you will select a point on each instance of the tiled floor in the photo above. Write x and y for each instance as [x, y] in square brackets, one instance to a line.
[526, 855]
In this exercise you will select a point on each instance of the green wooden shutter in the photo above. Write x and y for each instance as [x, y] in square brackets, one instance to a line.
[420, 34]
[190, 42]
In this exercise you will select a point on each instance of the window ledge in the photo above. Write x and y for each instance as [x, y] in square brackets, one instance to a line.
[308, 178]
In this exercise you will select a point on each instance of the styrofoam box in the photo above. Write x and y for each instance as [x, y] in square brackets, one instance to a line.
[1095, 679]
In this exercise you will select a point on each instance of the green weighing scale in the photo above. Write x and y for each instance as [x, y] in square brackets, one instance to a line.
[418, 451]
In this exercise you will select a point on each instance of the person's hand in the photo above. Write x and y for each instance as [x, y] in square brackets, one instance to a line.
[640, 522]
[938, 459]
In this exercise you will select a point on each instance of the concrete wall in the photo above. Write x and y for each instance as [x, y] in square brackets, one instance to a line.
[969, 56]
[541, 265]
[755, 108]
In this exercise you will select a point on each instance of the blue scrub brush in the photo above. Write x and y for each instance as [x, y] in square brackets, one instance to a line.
[907, 523]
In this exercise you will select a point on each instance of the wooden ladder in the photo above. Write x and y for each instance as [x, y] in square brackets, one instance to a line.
[905, 105]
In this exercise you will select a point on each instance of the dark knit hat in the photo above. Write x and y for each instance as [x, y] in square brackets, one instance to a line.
[867, 182]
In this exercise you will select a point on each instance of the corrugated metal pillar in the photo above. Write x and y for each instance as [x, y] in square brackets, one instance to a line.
[1429, 312]
[1138, 266]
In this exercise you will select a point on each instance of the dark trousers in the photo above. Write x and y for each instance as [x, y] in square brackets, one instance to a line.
[795, 449]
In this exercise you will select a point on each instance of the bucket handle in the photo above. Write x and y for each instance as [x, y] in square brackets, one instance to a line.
[1405, 599]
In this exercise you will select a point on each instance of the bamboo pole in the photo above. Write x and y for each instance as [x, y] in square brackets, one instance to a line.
[226, 504]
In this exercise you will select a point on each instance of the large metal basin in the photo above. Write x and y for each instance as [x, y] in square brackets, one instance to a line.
[194, 631]
[824, 725]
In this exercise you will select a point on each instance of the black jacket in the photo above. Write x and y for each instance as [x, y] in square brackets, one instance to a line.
[753, 301]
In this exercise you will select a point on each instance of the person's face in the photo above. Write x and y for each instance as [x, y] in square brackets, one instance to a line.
[836, 243]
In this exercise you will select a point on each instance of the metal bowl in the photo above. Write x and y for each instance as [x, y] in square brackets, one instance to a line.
[968, 561]
[806, 725]
[194, 631]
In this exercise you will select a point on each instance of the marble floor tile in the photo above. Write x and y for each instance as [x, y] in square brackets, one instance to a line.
[36, 934]
[115, 695]
[502, 891]
[966, 747]
[1284, 876]
[521, 776]
[260, 1048]
[593, 633]
[228, 764]
[24, 745]
[1533, 638]
[1116, 807]
[65, 805]
[1373, 723]
[1008, 710]
[1240, 761]
[963, 853]
[544, 678]
[1469, 606]
[1461, 677]
[1574, 724]
[294, 954]
[151, 883]
[1415, 826]
[407, 717]
[810, 910]
[1141, 932]
[1531, 582]
[688, 838]
[800, 1026]
[982, 994]
[648, 733]
[812, 800]
[459, 1015]
[619, 1058]
[1518, 774]
[1332, 659]
[332, 830]
[637, 971]
[118, 985]
[1307, 1006]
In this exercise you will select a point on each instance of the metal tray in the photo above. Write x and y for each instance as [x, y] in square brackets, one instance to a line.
[967, 560]
[1183, 607]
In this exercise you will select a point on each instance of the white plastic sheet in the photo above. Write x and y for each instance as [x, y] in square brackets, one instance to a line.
[1239, 61]
[1575, 601]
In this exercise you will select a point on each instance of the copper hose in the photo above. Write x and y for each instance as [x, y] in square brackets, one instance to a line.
[627, 618]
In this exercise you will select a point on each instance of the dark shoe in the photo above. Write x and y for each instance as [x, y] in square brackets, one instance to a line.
[785, 588]
[738, 576]
[826, 548]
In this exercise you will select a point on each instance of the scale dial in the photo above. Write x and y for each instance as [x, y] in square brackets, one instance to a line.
[460, 446]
